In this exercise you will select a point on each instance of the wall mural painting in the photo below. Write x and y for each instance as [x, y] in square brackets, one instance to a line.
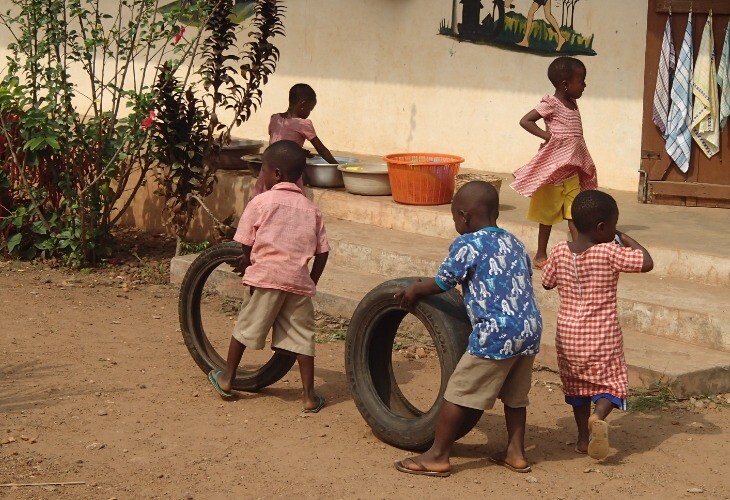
[242, 10]
[501, 25]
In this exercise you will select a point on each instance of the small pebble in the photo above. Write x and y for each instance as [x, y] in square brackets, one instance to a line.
[695, 490]
[102, 412]
[531, 479]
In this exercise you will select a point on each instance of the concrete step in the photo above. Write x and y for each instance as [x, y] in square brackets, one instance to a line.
[338, 294]
[648, 303]
[686, 243]
[687, 369]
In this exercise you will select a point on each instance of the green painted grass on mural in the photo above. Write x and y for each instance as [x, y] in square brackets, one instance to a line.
[242, 10]
[543, 39]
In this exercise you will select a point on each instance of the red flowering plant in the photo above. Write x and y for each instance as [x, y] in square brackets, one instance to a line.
[72, 100]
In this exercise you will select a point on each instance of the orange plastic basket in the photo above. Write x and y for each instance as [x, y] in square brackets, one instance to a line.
[422, 178]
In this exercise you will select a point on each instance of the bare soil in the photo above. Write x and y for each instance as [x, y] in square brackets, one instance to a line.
[97, 386]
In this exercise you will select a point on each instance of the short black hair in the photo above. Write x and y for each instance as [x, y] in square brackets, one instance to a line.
[478, 196]
[289, 157]
[301, 92]
[563, 68]
[591, 207]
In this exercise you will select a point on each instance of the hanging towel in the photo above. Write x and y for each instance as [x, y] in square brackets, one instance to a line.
[723, 79]
[667, 63]
[679, 139]
[705, 127]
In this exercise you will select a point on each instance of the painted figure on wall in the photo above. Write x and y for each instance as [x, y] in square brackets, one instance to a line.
[545, 4]
[504, 26]
[242, 9]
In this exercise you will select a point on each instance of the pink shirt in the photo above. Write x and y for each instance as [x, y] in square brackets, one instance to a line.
[284, 230]
[290, 129]
[280, 129]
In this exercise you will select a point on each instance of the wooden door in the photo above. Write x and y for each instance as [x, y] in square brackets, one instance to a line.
[707, 183]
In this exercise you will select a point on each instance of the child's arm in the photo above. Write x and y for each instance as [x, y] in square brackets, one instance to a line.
[242, 262]
[628, 241]
[528, 122]
[323, 151]
[320, 260]
[407, 298]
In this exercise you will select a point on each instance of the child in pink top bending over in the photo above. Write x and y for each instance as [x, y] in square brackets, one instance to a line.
[294, 125]
[281, 230]
[563, 166]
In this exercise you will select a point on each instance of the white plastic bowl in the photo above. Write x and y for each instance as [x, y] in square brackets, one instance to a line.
[369, 179]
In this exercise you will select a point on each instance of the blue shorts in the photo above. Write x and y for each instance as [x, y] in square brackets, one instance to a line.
[583, 400]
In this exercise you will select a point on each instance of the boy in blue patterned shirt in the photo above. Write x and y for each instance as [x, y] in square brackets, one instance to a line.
[495, 273]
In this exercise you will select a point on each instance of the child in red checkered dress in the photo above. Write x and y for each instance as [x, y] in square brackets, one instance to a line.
[563, 166]
[588, 338]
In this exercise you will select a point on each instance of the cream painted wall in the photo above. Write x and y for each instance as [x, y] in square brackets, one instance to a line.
[386, 82]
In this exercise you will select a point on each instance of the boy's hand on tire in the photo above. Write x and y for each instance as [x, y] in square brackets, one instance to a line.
[407, 298]
[240, 264]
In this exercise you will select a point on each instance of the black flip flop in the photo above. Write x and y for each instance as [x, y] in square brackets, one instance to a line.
[419, 472]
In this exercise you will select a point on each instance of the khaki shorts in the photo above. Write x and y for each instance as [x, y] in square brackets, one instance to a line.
[478, 382]
[549, 205]
[291, 316]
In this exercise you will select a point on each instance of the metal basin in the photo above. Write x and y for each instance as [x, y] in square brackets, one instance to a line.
[319, 173]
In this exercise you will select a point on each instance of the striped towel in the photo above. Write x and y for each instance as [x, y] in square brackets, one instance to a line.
[705, 127]
[667, 63]
[679, 139]
[723, 79]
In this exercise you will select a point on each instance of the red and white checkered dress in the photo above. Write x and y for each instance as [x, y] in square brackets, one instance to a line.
[565, 155]
[588, 340]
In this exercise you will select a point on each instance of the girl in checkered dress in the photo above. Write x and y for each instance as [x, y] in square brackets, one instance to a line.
[588, 338]
[563, 166]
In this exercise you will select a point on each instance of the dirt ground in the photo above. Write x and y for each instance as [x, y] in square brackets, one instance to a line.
[97, 386]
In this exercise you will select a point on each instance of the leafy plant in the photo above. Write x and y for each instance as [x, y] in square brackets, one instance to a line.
[658, 395]
[73, 155]
[187, 131]
[193, 247]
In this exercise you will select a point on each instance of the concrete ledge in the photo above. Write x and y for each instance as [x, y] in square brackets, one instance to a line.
[696, 248]
[687, 369]
[648, 303]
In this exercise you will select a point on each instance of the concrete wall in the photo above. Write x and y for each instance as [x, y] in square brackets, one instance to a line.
[386, 82]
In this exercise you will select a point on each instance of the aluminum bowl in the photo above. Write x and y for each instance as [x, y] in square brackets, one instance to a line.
[254, 163]
[319, 173]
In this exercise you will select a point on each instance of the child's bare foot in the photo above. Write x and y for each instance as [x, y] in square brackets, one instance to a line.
[424, 466]
[515, 463]
[524, 43]
[561, 41]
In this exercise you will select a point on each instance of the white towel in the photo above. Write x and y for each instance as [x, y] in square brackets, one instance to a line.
[679, 139]
[705, 126]
[723, 79]
[667, 63]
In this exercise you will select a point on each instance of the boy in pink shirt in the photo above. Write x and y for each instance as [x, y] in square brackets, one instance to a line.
[281, 230]
[294, 125]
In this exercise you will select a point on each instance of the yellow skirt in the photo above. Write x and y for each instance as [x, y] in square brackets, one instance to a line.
[551, 204]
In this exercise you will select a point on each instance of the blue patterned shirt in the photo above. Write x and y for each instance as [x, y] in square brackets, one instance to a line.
[496, 277]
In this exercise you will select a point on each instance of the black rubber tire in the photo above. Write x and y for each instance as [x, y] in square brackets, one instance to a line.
[368, 361]
[191, 324]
